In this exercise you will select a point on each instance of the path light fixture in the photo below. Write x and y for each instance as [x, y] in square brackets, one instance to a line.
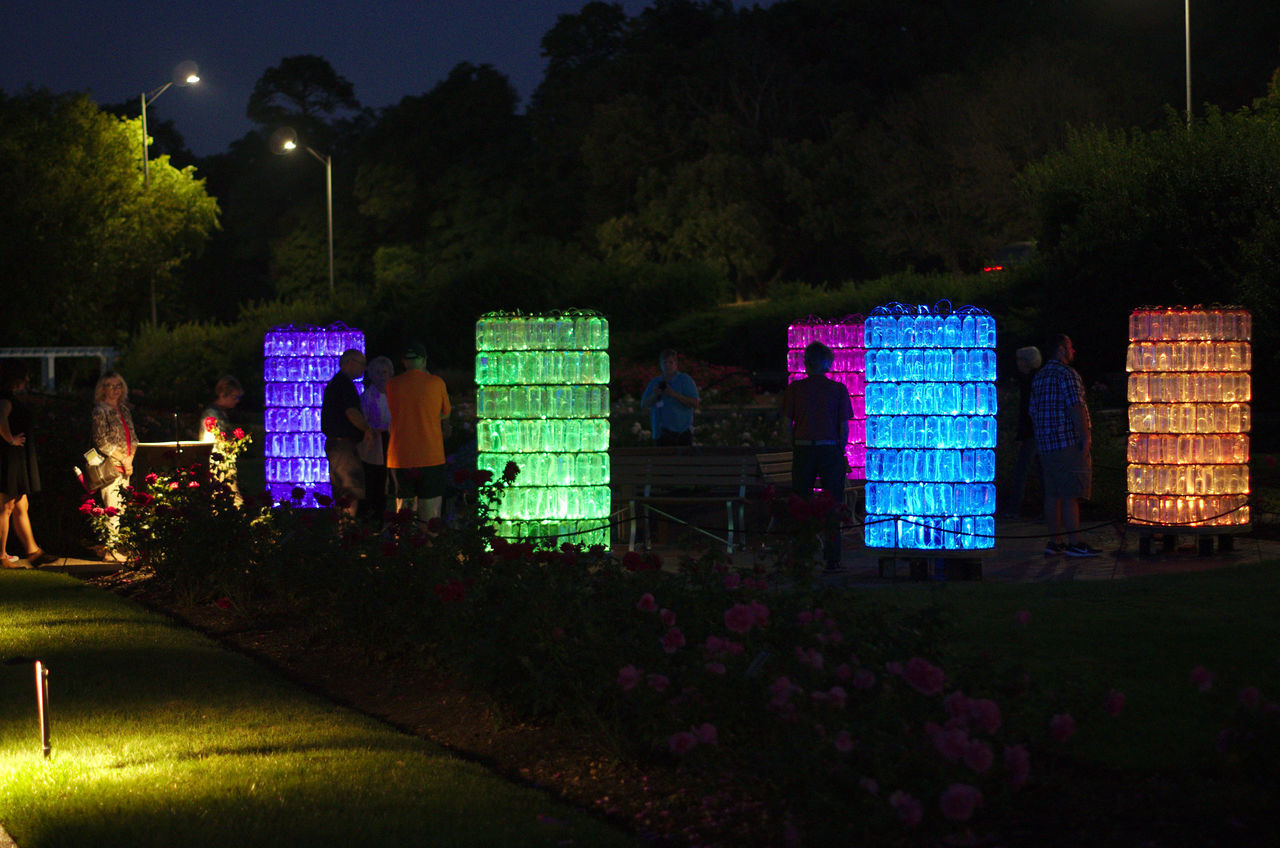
[285, 140]
[42, 698]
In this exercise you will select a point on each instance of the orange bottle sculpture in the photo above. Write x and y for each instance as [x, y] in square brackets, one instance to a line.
[1189, 411]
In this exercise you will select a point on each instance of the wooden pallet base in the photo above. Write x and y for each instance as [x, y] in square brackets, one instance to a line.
[930, 565]
[1168, 536]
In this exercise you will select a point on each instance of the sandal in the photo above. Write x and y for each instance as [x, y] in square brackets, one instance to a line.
[38, 558]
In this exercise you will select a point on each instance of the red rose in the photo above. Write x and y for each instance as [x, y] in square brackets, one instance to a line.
[238, 433]
[210, 424]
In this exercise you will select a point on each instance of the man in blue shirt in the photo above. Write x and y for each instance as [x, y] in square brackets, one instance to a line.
[1063, 434]
[671, 399]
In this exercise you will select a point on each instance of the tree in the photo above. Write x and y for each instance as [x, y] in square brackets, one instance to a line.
[305, 93]
[1167, 217]
[81, 239]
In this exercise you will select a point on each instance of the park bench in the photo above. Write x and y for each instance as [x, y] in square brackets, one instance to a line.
[776, 468]
[651, 481]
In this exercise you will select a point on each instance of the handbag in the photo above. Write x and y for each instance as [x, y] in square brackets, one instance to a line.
[99, 471]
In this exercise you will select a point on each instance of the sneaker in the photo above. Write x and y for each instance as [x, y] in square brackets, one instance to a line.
[1082, 549]
[1055, 548]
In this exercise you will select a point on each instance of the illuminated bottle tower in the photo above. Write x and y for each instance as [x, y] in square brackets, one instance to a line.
[844, 337]
[1189, 394]
[931, 428]
[298, 362]
[542, 401]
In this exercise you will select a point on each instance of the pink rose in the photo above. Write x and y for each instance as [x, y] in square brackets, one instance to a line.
[986, 713]
[658, 682]
[739, 618]
[978, 756]
[843, 742]
[1062, 727]
[1017, 761]
[628, 677]
[646, 603]
[151, 478]
[864, 679]
[1250, 697]
[682, 742]
[672, 640]
[760, 612]
[510, 472]
[706, 734]
[910, 810]
[1114, 703]
[732, 581]
[1023, 617]
[951, 742]
[923, 676]
[959, 800]
[111, 511]
[870, 785]
[715, 668]
[668, 617]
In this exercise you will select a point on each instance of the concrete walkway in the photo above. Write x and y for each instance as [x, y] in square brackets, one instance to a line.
[1017, 556]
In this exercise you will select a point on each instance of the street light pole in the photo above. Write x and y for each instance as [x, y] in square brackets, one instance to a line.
[1186, 7]
[290, 144]
[186, 72]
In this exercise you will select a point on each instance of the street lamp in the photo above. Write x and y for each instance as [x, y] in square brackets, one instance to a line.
[285, 140]
[185, 74]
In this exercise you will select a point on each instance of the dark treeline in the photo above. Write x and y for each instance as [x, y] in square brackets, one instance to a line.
[687, 156]
[813, 140]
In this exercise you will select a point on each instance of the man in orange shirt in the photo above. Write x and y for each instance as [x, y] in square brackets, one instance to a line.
[419, 403]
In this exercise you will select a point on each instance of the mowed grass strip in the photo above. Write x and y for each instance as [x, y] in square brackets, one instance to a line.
[162, 738]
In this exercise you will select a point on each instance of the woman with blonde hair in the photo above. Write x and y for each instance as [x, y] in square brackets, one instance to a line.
[114, 436]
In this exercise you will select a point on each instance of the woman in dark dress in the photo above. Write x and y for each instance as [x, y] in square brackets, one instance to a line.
[19, 469]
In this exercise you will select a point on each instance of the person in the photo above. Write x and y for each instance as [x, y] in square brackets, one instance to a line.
[818, 409]
[226, 394]
[113, 434]
[1063, 434]
[419, 402]
[671, 398]
[1028, 360]
[373, 453]
[344, 427]
[19, 468]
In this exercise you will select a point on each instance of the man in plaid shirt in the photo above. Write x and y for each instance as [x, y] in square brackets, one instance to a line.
[1063, 436]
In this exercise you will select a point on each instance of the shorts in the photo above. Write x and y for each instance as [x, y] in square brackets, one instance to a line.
[425, 482]
[1068, 474]
[346, 474]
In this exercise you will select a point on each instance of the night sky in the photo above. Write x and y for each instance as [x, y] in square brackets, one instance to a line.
[388, 49]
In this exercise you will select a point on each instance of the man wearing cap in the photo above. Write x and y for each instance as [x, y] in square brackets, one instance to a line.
[344, 426]
[419, 403]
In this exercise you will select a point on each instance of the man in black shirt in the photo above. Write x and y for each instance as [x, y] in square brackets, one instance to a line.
[344, 426]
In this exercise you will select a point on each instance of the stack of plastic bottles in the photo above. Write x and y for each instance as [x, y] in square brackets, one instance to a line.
[1189, 416]
[931, 428]
[542, 401]
[844, 337]
[298, 362]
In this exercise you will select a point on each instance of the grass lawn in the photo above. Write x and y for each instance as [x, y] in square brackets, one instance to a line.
[162, 738]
